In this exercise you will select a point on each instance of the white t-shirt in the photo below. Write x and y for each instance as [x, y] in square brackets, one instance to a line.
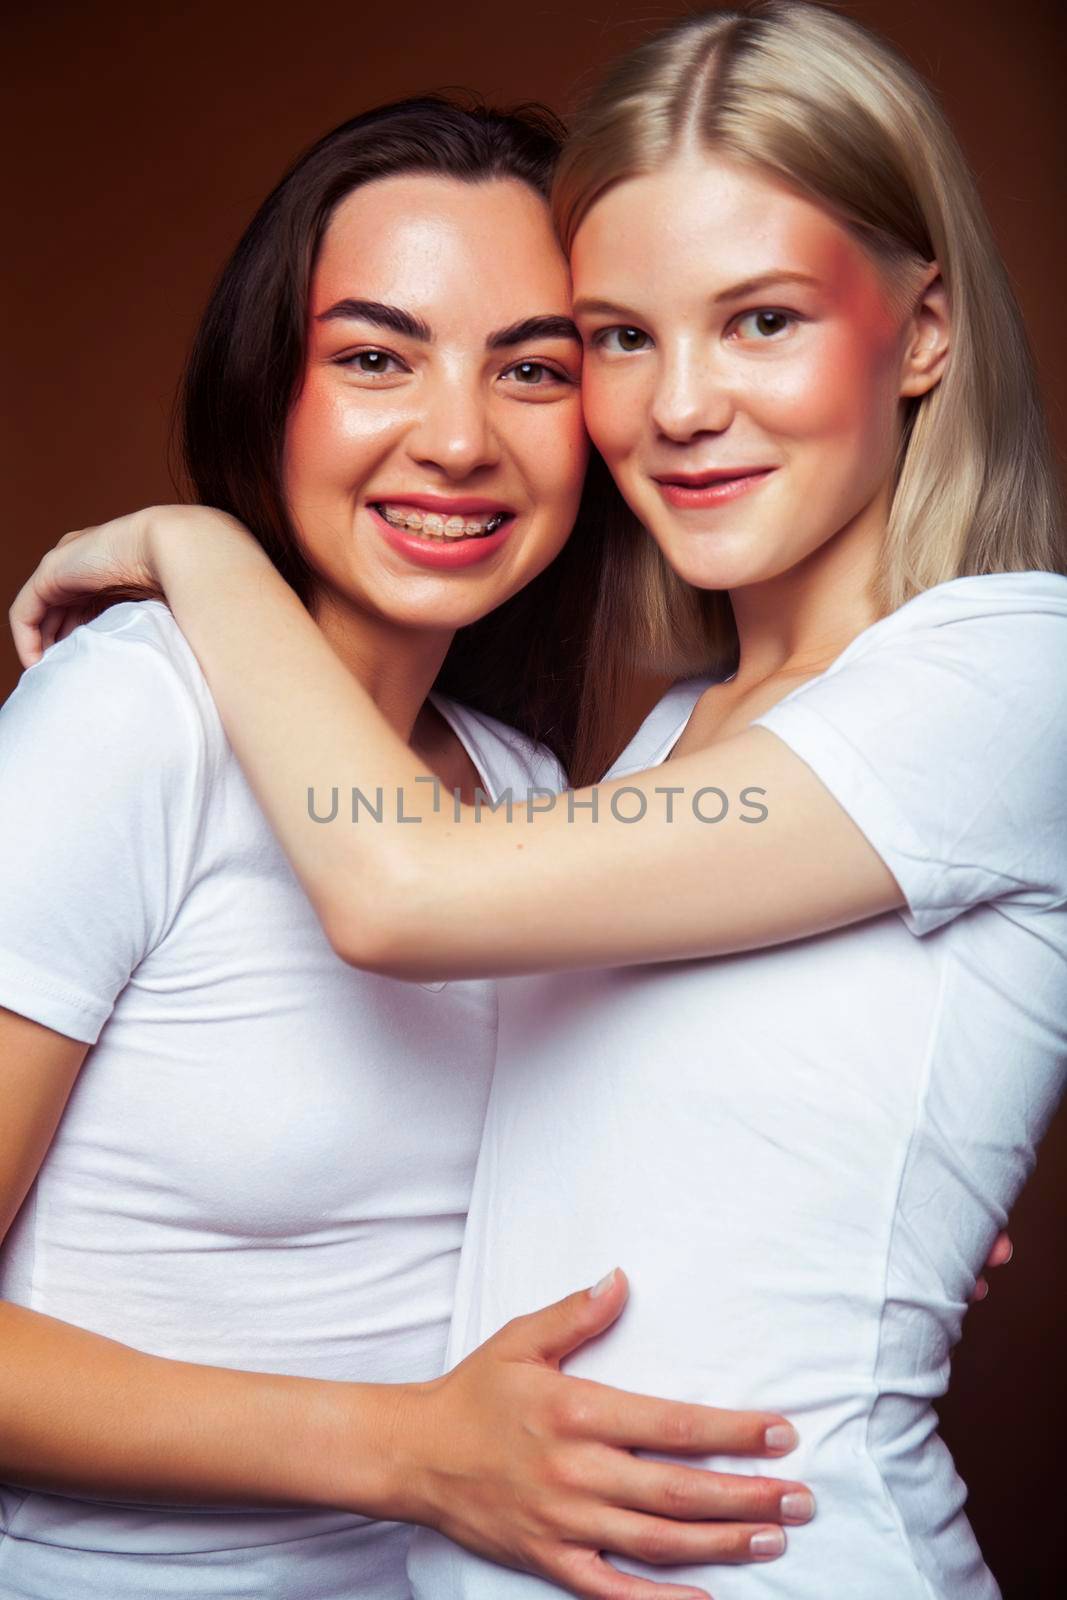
[266, 1158]
[801, 1155]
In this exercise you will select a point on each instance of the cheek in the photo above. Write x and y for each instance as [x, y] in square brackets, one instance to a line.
[551, 446]
[332, 437]
[616, 407]
[838, 394]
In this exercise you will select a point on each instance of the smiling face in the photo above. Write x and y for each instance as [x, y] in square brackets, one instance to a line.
[435, 453]
[744, 367]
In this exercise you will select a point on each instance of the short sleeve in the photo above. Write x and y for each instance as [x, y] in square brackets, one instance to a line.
[101, 766]
[942, 732]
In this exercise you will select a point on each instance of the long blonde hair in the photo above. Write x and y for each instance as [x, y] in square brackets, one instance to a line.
[815, 99]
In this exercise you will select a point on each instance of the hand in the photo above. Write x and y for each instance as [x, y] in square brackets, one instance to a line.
[999, 1256]
[93, 568]
[534, 1469]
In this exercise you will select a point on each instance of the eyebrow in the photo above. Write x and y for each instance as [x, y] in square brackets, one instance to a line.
[531, 328]
[409, 326]
[765, 280]
[381, 315]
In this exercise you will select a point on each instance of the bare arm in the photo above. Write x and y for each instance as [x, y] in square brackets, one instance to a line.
[506, 1455]
[545, 889]
[549, 888]
[82, 1413]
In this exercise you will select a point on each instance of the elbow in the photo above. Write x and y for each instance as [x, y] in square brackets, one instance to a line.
[358, 942]
[372, 929]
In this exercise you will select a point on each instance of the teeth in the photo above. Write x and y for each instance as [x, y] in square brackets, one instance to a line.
[435, 526]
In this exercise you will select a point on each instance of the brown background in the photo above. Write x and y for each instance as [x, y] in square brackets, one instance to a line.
[140, 143]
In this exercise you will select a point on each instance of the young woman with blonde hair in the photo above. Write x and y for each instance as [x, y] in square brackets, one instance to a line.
[805, 1017]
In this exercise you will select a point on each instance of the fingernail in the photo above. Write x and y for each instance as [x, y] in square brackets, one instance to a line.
[798, 1506]
[769, 1542]
[981, 1289]
[780, 1437]
[1011, 1252]
[604, 1285]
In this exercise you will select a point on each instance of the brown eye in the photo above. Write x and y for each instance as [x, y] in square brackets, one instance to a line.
[619, 339]
[537, 375]
[764, 325]
[372, 363]
[770, 321]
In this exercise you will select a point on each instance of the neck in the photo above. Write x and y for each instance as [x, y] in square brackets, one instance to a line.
[396, 665]
[796, 624]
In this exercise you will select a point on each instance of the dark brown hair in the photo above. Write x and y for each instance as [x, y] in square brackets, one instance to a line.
[528, 662]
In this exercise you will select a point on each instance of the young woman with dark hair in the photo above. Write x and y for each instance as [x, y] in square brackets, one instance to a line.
[235, 1170]
[804, 1019]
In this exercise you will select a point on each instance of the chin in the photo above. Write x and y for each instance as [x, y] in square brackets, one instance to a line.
[447, 614]
[715, 560]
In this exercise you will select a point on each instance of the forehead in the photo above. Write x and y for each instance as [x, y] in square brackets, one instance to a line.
[442, 248]
[704, 222]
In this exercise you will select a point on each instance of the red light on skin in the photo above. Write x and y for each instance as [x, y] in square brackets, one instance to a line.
[442, 555]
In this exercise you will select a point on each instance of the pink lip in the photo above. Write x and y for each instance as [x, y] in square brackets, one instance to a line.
[690, 491]
[441, 554]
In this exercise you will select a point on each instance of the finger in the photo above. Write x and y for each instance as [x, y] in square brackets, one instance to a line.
[24, 619]
[981, 1289]
[663, 1543]
[51, 623]
[38, 615]
[27, 642]
[1002, 1251]
[74, 618]
[37, 612]
[641, 1422]
[77, 618]
[90, 609]
[691, 1495]
[554, 1331]
[586, 1573]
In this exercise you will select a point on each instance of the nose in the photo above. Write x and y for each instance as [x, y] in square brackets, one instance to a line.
[691, 397]
[454, 432]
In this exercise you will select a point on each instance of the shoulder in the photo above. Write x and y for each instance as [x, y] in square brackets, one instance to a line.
[128, 673]
[999, 637]
[942, 732]
[986, 605]
[142, 633]
[993, 642]
[507, 758]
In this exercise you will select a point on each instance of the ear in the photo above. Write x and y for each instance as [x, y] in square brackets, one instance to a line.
[928, 336]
